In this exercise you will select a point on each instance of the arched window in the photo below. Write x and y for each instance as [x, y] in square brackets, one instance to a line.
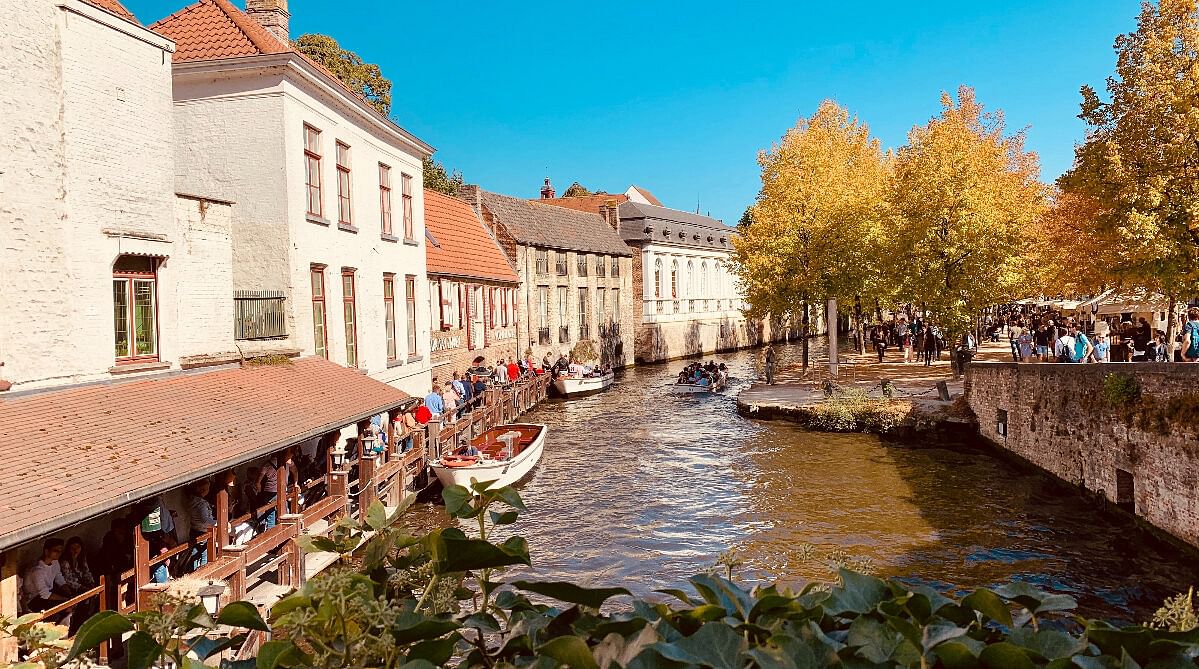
[674, 280]
[690, 279]
[658, 278]
[703, 279]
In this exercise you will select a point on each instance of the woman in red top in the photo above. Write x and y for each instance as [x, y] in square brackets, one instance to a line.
[513, 369]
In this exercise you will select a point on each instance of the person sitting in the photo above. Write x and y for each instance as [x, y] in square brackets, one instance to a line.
[200, 511]
[469, 449]
[704, 382]
[683, 378]
[79, 579]
[44, 586]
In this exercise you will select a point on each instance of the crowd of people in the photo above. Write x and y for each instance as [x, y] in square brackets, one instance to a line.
[1047, 335]
[921, 340]
[707, 375]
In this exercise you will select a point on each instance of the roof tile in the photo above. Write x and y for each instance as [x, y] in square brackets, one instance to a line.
[587, 203]
[114, 7]
[465, 248]
[554, 227]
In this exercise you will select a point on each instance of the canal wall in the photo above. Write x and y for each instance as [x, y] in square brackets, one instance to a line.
[1128, 432]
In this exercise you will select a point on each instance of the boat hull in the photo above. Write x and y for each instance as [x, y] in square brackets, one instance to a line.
[693, 388]
[505, 472]
[575, 387]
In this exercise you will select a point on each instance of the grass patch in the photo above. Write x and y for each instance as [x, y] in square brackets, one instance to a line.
[853, 410]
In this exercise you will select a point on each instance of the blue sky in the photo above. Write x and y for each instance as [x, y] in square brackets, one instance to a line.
[680, 97]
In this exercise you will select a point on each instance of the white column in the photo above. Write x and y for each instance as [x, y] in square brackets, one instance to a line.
[831, 326]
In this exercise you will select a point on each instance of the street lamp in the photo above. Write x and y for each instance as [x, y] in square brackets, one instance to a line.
[210, 597]
[339, 456]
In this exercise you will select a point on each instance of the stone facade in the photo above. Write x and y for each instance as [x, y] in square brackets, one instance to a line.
[1055, 417]
[88, 180]
[466, 327]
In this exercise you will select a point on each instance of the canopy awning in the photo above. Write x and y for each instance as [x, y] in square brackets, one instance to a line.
[70, 455]
[1134, 303]
[1086, 304]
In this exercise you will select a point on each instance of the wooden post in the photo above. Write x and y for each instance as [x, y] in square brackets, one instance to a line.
[433, 445]
[366, 486]
[220, 534]
[294, 574]
[237, 582]
[141, 559]
[8, 604]
[339, 485]
[283, 487]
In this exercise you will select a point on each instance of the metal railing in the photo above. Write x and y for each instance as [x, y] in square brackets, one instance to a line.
[258, 314]
[563, 335]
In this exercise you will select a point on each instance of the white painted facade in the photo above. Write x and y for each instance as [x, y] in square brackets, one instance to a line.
[241, 136]
[87, 177]
[684, 284]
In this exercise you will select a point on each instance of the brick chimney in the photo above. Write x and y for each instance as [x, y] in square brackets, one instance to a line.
[272, 15]
[612, 215]
[473, 196]
[547, 191]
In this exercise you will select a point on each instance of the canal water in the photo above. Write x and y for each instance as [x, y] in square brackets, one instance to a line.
[643, 488]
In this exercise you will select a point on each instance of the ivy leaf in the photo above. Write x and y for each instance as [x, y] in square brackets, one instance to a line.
[242, 614]
[858, 594]
[435, 651]
[715, 645]
[1004, 655]
[990, 605]
[570, 651]
[376, 516]
[509, 496]
[409, 627]
[452, 551]
[458, 502]
[505, 518]
[571, 593]
[143, 651]
[274, 654]
[99, 628]
[872, 639]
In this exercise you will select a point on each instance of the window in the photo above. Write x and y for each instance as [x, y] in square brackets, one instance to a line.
[385, 198]
[258, 314]
[674, 279]
[319, 336]
[312, 169]
[600, 316]
[564, 330]
[658, 278]
[581, 263]
[410, 312]
[690, 278]
[135, 307]
[491, 308]
[443, 304]
[350, 312]
[615, 266]
[601, 265]
[543, 306]
[543, 261]
[389, 314]
[560, 264]
[615, 305]
[583, 333]
[406, 182]
[703, 278]
[343, 185]
[460, 295]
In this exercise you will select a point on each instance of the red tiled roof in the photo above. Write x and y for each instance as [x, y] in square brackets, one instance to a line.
[587, 203]
[211, 29]
[467, 248]
[114, 7]
[69, 455]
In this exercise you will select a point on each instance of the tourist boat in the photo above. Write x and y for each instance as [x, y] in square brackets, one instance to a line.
[507, 453]
[689, 388]
[574, 386]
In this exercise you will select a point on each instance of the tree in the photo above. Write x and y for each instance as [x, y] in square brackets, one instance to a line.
[576, 190]
[816, 228]
[965, 198]
[438, 180]
[1140, 161]
[363, 78]
[1069, 253]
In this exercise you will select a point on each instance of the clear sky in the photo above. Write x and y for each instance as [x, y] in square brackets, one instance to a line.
[680, 97]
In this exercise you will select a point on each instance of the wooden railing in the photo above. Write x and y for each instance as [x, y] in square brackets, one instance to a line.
[100, 593]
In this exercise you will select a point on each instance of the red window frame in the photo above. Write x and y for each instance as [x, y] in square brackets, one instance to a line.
[385, 198]
[491, 308]
[316, 279]
[130, 278]
[410, 307]
[389, 315]
[312, 170]
[344, 204]
[349, 310]
[406, 185]
[503, 307]
[462, 298]
[443, 310]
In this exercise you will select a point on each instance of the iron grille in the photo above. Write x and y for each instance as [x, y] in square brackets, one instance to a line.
[258, 314]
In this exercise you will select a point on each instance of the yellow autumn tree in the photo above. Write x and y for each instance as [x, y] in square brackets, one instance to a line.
[814, 231]
[1068, 253]
[966, 201]
[1140, 160]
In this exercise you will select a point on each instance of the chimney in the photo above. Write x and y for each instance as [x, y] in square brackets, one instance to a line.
[613, 215]
[272, 15]
[547, 191]
[473, 196]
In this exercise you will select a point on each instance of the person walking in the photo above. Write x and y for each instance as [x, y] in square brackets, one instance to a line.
[1190, 336]
[930, 346]
[879, 336]
[769, 360]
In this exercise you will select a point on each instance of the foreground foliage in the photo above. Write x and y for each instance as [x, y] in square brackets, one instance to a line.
[436, 600]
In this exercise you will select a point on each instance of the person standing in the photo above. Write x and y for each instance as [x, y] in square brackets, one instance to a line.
[1190, 336]
[770, 361]
[879, 337]
[930, 346]
[1102, 348]
[1082, 346]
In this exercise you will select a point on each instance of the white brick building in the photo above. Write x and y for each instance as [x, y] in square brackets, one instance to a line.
[99, 259]
[328, 234]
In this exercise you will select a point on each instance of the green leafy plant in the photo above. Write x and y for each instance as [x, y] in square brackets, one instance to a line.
[1120, 389]
[1177, 614]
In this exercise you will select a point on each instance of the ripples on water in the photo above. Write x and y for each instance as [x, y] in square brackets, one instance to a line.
[642, 488]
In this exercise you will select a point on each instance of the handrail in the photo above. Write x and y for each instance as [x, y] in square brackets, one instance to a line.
[269, 541]
[323, 509]
[245, 518]
[74, 601]
[190, 544]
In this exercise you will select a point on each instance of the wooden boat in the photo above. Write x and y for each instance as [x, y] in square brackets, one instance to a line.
[689, 388]
[507, 453]
[574, 386]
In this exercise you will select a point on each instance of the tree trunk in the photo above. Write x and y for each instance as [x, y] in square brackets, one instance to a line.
[834, 326]
[805, 335]
[1170, 329]
[861, 327]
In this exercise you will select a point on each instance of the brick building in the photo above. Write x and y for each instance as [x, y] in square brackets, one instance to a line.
[328, 235]
[473, 289]
[575, 281]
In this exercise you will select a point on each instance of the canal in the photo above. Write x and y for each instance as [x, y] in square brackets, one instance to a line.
[642, 488]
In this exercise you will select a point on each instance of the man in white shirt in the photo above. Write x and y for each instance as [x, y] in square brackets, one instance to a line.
[43, 577]
[1064, 350]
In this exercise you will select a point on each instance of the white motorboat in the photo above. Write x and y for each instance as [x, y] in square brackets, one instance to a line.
[689, 388]
[574, 386]
[507, 453]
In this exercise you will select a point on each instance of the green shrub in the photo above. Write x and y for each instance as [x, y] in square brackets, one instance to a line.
[1120, 389]
[853, 410]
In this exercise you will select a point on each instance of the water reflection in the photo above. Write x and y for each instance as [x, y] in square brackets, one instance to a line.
[642, 488]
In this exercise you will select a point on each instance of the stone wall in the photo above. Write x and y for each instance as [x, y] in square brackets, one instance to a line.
[1058, 419]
